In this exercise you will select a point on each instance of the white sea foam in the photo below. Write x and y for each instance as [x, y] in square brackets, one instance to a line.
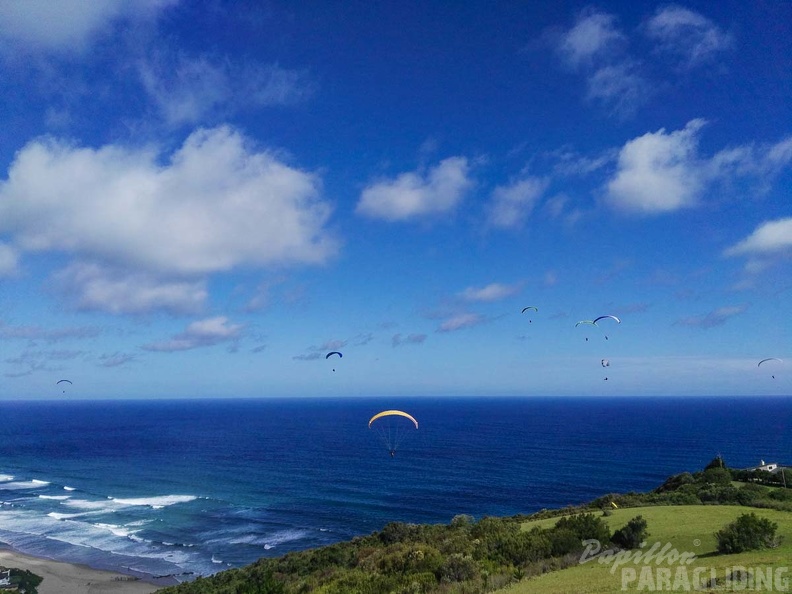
[96, 504]
[69, 488]
[157, 502]
[268, 541]
[58, 516]
[6, 477]
[214, 560]
[14, 485]
[115, 529]
[55, 497]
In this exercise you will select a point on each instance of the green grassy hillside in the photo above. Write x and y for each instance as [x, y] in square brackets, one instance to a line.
[542, 552]
[688, 528]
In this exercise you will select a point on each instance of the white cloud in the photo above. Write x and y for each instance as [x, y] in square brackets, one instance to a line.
[34, 333]
[9, 260]
[399, 340]
[771, 237]
[491, 292]
[763, 161]
[212, 205]
[187, 90]
[619, 88]
[95, 287]
[512, 204]
[419, 194]
[116, 359]
[460, 321]
[714, 318]
[202, 333]
[593, 35]
[658, 172]
[68, 24]
[596, 48]
[687, 35]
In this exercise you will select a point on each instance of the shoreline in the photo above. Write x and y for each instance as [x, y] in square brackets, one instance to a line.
[60, 577]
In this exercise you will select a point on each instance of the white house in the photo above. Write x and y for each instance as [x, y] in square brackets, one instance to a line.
[767, 467]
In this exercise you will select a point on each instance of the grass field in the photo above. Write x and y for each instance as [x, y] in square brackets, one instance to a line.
[687, 529]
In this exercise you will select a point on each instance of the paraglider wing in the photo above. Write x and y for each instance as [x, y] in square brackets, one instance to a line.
[529, 307]
[328, 355]
[605, 363]
[586, 322]
[618, 321]
[770, 359]
[63, 380]
[387, 413]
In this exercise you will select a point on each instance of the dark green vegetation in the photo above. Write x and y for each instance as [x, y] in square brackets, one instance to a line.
[747, 533]
[468, 556]
[24, 580]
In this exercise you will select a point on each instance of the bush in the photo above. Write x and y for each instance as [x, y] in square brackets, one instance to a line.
[585, 527]
[749, 532]
[458, 568]
[632, 535]
[717, 476]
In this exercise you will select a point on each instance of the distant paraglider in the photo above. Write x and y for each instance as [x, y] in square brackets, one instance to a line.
[62, 382]
[767, 360]
[331, 353]
[592, 322]
[530, 307]
[392, 426]
[618, 321]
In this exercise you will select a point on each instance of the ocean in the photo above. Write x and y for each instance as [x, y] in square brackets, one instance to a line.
[190, 487]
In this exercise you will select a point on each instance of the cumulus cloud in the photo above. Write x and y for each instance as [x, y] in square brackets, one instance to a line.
[511, 205]
[460, 321]
[68, 25]
[186, 89]
[686, 35]
[593, 35]
[768, 238]
[93, 287]
[662, 172]
[596, 47]
[202, 333]
[658, 172]
[714, 318]
[399, 339]
[764, 160]
[214, 204]
[489, 293]
[418, 194]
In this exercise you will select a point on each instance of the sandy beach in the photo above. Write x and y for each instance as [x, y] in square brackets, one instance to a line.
[67, 578]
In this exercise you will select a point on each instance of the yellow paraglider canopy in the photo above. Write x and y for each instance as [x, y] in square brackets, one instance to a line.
[387, 413]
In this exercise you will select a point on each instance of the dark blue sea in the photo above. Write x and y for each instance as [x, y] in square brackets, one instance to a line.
[191, 487]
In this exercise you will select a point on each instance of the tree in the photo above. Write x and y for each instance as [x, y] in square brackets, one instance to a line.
[716, 462]
[632, 535]
[717, 476]
[749, 532]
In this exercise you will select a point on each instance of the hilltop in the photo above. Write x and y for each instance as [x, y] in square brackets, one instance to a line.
[537, 552]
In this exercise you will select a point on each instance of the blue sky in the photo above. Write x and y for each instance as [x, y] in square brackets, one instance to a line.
[204, 198]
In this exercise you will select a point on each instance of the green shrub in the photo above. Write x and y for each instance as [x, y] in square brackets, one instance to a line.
[632, 535]
[747, 533]
[585, 527]
[717, 476]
